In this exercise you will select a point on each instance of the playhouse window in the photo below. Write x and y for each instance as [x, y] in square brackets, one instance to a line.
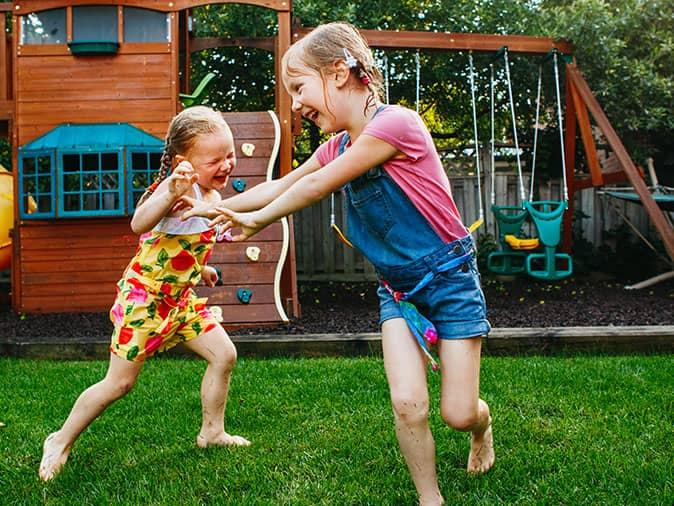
[142, 168]
[46, 27]
[90, 184]
[37, 185]
[95, 23]
[144, 25]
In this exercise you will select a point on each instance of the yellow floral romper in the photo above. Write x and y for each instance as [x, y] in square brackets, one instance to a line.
[156, 306]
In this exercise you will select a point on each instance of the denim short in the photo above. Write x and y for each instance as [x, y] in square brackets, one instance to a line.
[453, 300]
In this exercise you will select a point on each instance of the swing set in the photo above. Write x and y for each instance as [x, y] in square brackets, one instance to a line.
[523, 255]
[545, 256]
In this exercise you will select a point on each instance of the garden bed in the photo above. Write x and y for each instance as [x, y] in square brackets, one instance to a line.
[338, 308]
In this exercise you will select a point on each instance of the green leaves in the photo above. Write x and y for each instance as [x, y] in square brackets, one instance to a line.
[162, 258]
[625, 49]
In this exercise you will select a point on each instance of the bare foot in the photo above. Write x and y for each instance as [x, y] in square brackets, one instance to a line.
[481, 456]
[223, 439]
[435, 500]
[54, 455]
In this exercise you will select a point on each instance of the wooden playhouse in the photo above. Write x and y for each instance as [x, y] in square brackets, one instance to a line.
[95, 84]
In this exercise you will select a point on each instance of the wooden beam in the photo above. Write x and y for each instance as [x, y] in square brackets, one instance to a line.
[457, 41]
[266, 43]
[175, 60]
[615, 177]
[586, 135]
[185, 43]
[658, 218]
[27, 6]
[283, 109]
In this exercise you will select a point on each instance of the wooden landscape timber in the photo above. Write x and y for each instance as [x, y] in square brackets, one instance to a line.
[501, 341]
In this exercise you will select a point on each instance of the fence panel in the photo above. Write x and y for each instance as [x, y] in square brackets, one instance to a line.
[321, 256]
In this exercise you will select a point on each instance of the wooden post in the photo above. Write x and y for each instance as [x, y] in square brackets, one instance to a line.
[283, 104]
[654, 212]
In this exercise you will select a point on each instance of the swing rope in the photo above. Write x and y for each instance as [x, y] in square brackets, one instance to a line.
[513, 118]
[565, 191]
[386, 85]
[418, 64]
[493, 156]
[561, 126]
[480, 220]
[538, 109]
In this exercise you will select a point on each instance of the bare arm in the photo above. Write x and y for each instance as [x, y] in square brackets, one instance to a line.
[161, 201]
[255, 198]
[365, 153]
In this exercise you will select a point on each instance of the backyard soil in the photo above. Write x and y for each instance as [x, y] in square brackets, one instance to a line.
[337, 307]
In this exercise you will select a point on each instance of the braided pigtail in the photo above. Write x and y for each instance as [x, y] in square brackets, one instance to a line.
[369, 82]
[164, 169]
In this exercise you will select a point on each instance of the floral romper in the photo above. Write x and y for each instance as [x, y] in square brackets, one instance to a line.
[156, 306]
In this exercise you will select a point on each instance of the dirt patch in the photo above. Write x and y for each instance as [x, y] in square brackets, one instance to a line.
[352, 308]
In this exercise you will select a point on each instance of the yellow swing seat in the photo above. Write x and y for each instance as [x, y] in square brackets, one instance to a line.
[521, 244]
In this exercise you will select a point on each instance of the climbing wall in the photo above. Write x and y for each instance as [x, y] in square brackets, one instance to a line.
[250, 293]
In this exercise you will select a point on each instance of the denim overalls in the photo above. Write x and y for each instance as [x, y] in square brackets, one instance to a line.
[384, 224]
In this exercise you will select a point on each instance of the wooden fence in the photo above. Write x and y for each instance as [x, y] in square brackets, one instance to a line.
[321, 256]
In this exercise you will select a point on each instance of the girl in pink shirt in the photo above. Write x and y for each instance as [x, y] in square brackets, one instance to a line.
[401, 216]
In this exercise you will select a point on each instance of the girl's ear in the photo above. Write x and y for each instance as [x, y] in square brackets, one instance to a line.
[177, 159]
[342, 72]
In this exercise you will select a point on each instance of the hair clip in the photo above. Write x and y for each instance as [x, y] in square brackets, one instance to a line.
[364, 78]
[351, 62]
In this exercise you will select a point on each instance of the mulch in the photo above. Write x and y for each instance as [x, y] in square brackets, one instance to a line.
[339, 307]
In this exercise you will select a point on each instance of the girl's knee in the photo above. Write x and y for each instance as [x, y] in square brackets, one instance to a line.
[410, 409]
[225, 358]
[462, 418]
[120, 386]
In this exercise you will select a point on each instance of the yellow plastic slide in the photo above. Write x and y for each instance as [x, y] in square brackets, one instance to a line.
[6, 216]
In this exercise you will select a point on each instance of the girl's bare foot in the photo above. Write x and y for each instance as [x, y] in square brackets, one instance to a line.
[435, 500]
[222, 439]
[481, 456]
[54, 456]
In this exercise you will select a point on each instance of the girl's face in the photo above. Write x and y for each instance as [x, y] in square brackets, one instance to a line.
[314, 97]
[213, 157]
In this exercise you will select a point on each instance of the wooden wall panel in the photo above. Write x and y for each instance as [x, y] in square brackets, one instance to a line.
[73, 265]
[130, 88]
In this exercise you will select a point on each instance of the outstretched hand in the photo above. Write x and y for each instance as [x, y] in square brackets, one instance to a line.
[244, 221]
[193, 207]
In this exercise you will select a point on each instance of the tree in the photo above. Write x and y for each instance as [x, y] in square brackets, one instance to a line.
[625, 49]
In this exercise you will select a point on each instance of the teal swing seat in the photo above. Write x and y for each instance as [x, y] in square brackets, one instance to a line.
[547, 215]
[506, 261]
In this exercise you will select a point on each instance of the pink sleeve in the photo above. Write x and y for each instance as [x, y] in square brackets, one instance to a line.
[329, 150]
[401, 128]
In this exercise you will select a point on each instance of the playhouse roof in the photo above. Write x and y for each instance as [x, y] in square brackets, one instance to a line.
[100, 135]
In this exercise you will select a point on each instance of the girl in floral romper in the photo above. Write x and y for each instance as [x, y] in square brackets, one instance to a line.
[156, 307]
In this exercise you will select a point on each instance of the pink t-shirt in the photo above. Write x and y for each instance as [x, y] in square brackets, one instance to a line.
[419, 173]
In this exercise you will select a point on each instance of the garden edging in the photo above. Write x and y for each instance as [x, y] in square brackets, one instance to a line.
[501, 341]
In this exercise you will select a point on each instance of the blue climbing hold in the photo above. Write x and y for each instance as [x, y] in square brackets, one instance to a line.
[239, 185]
[244, 295]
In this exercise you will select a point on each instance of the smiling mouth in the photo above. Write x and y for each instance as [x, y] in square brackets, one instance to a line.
[312, 116]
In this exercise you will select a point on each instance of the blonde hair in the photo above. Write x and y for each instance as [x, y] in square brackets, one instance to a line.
[182, 132]
[325, 45]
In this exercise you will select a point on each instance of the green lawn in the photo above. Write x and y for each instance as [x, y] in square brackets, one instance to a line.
[569, 430]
